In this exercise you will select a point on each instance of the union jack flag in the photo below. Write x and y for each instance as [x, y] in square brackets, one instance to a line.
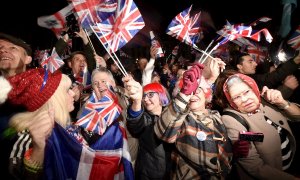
[238, 32]
[97, 114]
[257, 36]
[257, 52]
[57, 21]
[185, 28]
[234, 32]
[106, 9]
[118, 30]
[91, 12]
[294, 40]
[53, 62]
[107, 158]
[222, 52]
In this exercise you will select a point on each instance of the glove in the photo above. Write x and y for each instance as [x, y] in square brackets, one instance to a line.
[190, 83]
[241, 149]
[190, 78]
[198, 67]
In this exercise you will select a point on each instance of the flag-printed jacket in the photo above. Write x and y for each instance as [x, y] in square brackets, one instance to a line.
[202, 148]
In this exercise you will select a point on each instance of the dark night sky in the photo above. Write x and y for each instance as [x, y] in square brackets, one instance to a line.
[20, 20]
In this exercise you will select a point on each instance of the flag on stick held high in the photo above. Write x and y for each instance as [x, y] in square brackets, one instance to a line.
[185, 28]
[53, 62]
[294, 40]
[156, 44]
[57, 21]
[91, 12]
[98, 115]
[118, 30]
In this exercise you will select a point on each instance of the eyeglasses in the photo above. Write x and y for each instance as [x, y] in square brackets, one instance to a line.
[239, 97]
[149, 95]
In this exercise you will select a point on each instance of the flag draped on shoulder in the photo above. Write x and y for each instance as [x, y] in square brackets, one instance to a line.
[119, 29]
[53, 62]
[185, 28]
[294, 40]
[57, 21]
[98, 115]
[67, 158]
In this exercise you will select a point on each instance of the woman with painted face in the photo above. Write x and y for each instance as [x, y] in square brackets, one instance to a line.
[202, 149]
[143, 113]
[270, 157]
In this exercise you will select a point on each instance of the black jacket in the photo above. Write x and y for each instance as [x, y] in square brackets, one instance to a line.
[154, 155]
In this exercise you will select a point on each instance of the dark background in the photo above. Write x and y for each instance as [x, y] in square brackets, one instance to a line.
[19, 18]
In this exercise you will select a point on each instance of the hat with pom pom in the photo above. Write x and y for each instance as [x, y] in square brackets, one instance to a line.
[33, 88]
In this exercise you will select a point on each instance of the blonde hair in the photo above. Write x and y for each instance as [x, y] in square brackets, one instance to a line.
[58, 102]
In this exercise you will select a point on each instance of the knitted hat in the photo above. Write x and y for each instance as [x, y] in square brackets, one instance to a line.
[163, 94]
[27, 88]
[16, 41]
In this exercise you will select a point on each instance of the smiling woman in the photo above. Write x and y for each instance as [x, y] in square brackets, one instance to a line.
[196, 133]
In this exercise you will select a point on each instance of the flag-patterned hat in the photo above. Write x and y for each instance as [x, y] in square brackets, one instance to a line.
[33, 88]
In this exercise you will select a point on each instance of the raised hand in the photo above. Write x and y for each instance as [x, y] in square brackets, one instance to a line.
[273, 96]
[191, 78]
[133, 88]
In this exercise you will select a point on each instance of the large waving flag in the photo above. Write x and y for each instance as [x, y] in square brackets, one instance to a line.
[238, 33]
[107, 158]
[57, 21]
[98, 115]
[185, 28]
[119, 29]
[90, 12]
[53, 62]
[294, 40]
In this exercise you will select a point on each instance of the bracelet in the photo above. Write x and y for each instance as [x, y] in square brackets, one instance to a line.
[181, 99]
[285, 106]
[31, 165]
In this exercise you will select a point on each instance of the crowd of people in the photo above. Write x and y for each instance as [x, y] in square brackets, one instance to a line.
[166, 119]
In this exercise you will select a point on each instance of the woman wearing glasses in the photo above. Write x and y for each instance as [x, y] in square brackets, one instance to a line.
[202, 149]
[270, 158]
[146, 107]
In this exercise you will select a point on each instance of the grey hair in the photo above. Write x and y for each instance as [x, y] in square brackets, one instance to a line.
[233, 80]
[104, 70]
